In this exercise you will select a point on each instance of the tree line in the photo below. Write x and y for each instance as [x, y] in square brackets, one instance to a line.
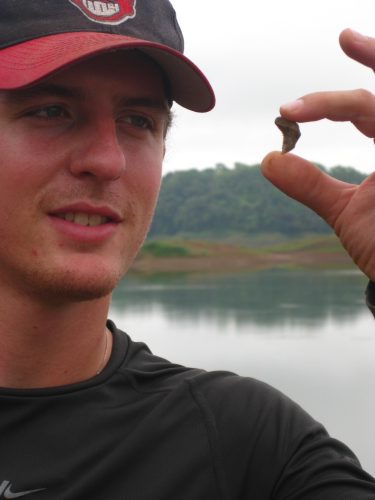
[222, 201]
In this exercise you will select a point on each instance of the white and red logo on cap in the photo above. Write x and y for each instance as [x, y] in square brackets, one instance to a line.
[106, 11]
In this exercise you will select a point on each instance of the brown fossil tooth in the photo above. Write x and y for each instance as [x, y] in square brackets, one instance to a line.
[291, 133]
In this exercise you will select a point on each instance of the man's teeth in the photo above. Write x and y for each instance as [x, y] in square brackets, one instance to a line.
[84, 219]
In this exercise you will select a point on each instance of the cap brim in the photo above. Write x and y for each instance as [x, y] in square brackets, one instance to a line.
[28, 62]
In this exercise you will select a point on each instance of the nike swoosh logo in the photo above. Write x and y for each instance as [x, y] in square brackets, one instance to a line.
[9, 494]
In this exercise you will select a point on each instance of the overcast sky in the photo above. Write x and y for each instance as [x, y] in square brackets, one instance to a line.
[258, 55]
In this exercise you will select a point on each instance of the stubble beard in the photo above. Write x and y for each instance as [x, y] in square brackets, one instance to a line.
[59, 286]
[70, 286]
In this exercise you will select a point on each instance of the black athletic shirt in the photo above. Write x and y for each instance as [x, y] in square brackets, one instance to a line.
[147, 429]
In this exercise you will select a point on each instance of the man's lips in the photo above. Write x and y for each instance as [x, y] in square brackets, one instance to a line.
[84, 219]
[86, 223]
[85, 214]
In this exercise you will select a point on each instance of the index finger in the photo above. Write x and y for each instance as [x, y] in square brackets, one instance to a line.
[358, 47]
[356, 106]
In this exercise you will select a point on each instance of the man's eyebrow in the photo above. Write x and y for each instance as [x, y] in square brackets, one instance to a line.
[47, 89]
[55, 90]
[147, 102]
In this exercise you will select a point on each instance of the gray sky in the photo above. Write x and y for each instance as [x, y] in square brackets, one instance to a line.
[258, 55]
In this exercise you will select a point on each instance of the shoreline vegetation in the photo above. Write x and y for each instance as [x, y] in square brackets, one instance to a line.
[192, 256]
[232, 219]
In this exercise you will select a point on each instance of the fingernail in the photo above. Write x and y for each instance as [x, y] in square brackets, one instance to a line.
[357, 36]
[292, 106]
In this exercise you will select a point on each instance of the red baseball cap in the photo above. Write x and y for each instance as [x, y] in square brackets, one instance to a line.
[39, 37]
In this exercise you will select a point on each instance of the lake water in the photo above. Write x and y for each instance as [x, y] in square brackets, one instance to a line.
[308, 333]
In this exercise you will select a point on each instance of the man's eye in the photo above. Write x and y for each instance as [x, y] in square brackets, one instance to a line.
[49, 112]
[138, 121]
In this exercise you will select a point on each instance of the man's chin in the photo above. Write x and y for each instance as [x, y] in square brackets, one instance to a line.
[72, 287]
[81, 294]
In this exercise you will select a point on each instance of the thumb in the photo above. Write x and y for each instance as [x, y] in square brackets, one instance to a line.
[307, 184]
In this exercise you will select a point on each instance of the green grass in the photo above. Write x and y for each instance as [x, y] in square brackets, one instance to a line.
[159, 248]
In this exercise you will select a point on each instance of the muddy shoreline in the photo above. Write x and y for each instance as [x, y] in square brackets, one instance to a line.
[230, 260]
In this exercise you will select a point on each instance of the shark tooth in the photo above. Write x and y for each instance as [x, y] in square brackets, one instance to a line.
[291, 133]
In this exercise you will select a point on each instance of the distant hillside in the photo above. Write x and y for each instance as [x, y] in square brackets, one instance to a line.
[222, 201]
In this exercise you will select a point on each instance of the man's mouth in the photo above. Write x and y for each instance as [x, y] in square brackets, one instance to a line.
[84, 219]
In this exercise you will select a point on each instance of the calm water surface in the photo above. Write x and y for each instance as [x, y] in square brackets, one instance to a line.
[307, 333]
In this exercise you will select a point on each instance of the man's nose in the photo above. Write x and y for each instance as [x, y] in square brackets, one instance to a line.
[98, 152]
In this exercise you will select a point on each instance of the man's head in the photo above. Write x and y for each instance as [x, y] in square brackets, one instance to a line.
[82, 129]
[38, 37]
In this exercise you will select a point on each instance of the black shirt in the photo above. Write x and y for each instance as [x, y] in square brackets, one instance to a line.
[147, 429]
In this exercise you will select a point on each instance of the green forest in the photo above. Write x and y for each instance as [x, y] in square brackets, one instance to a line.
[220, 202]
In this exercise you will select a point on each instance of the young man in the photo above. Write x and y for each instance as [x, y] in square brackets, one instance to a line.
[85, 95]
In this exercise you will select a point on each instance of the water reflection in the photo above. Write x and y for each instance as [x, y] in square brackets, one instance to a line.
[267, 298]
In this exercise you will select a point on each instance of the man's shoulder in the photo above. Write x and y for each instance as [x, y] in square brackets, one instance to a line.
[147, 366]
[225, 395]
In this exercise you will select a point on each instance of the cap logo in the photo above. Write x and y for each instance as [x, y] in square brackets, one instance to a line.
[106, 11]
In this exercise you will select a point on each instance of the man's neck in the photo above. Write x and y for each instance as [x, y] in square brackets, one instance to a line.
[44, 346]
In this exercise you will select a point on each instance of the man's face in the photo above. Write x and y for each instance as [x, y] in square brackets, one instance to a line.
[80, 169]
